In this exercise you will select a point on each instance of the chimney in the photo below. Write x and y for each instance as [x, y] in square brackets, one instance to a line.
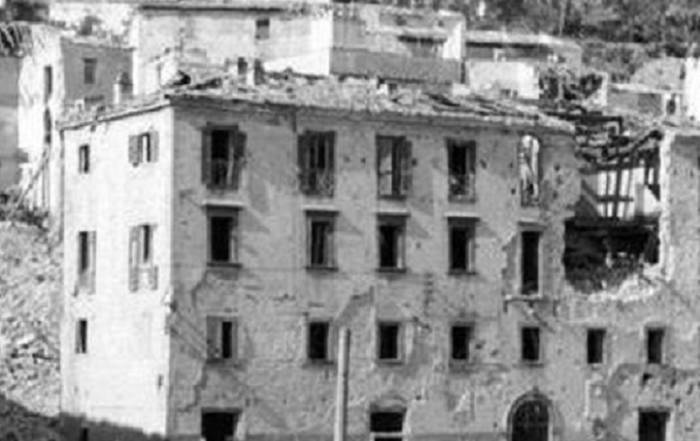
[123, 88]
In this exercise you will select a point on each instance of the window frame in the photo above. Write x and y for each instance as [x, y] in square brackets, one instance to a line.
[400, 349]
[90, 70]
[234, 214]
[663, 355]
[331, 262]
[522, 288]
[81, 336]
[235, 161]
[470, 224]
[215, 343]
[401, 161]
[603, 345]
[471, 158]
[84, 163]
[459, 362]
[328, 359]
[374, 435]
[399, 221]
[263, 28]
[540, 345]
[314, 180]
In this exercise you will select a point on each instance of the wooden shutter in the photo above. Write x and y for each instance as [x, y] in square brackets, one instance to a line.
[234, 340]
[471, 169]
[238, 152]
[303, 160]
[153, 277]
[134, 156]
[92, 246]
[213, 337]
[233, 237]
[406, 167]
[153, 135]
[384, 165]
[206, 157]
[330, 163]
[133, 258]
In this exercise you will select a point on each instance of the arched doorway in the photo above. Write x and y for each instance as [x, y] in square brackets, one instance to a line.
[530, 420]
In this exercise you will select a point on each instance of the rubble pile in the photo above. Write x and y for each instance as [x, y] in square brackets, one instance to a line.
[29, 332]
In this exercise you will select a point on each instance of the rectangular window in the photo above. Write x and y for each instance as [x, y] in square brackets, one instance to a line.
[530, 346]
[262, 28]
[318, 348]
[320, 236]
[462, 233]
[89, 70]
[84, 159]
[84, 434]
[48, 82]
[529, 152]
[143, 148]
[223, 235]
[81, 336]
[652, 425]
[223, 158]
[221, 338]
[391, 234]
[461, 165]
[394, 166]
[595, 346]
[655, 345]
[460, 341]
[389, 341]
[86, 259]
[530, 262]
[317, 163]
[142, 269]
[218, 425]
[386, 425]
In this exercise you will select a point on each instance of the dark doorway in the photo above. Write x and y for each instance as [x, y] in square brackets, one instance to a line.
[530, 421]
[652, 425]
[219, 426]
[386, 425]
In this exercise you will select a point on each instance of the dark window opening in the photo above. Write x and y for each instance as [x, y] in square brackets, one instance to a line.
[595, 346]
[391, 243]
[529, 165]
[321, 244]
[389, 342]
[84, 434]
[262, 29]
[394, 164]
[224, 155]
[655, 342]
[145, 150]
[461, 164]
[462, 234]
[48, 127]
[219, 426]
[146, 244]
[223, 236]
[530, 262]
[84, 263]
[221, 338]
[317, 163]
[318, 341]
[84, 159]
[81, 337]
[386, 425]
[48, 82]
[530, 344]
[89, 70]
[461, 338]
[226, 339]
[652, 425]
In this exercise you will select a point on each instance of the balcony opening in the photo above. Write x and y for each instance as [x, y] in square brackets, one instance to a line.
[391, 242]
[223, 158]
[462, 234]
[394, 166]
[317, 163]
